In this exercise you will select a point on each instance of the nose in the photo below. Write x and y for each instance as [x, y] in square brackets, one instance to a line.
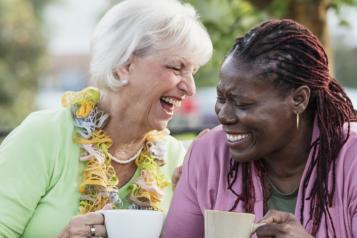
[225, 113]
[187, 85]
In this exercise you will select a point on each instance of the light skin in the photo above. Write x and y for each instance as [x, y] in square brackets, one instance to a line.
[135, 109]
[260, 123]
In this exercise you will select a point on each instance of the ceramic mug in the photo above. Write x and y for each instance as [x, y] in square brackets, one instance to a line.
[222, 224]
[133, 223]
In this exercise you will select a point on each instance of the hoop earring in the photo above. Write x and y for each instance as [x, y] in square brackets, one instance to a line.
[297, 120]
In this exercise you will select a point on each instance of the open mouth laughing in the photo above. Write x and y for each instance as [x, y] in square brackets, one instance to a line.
[170, 103]
[238, 140]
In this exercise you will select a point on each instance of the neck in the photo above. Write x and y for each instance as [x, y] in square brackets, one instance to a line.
[127, 135]
[290, 162]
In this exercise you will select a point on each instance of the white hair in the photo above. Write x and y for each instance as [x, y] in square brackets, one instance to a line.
[142, 27]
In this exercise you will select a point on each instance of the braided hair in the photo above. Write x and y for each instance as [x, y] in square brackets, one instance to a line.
[291, 56]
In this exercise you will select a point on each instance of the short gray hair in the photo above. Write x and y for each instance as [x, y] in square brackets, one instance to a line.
[142, 27]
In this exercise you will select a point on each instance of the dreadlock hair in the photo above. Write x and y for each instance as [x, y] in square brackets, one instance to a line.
[290, 55]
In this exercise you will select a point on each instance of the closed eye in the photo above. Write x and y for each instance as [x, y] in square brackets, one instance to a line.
[175, 68]
[244, 106]
[221, 99]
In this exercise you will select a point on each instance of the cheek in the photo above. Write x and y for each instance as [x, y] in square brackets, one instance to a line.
[165, 80]
[217, 108]
[258, 122]
[273, 126]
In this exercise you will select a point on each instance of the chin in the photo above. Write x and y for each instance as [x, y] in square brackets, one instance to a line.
[241, 157]
[160, 125]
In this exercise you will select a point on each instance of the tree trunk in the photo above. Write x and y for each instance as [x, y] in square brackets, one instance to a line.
[310, 13]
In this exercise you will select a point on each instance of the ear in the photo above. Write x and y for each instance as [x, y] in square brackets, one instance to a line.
[121, 72]
[301, 98]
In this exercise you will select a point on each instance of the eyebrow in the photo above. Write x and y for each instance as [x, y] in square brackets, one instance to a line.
[232, 93]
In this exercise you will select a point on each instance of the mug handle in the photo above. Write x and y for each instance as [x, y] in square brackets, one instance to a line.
[255, 226]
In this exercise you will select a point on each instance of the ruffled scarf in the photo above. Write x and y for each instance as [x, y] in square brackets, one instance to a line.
[98, 188]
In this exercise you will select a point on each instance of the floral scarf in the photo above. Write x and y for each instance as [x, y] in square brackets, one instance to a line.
[99, 185]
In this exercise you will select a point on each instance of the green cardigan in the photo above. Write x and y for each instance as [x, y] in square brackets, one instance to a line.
[40, 173]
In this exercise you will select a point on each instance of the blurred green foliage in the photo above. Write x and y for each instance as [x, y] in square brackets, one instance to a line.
[22, 47]
[225, 20]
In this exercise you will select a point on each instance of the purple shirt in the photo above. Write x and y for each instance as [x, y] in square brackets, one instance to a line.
[203, 185]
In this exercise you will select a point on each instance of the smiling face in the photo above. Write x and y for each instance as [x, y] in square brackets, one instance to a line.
[157, 85]
[258, 120]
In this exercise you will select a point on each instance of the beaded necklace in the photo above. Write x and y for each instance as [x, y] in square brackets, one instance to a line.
[99, 185]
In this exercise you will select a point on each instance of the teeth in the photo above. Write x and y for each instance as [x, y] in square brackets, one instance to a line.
[234, 138]
[175, 102]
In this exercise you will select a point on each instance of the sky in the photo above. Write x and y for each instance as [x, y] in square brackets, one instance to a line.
[69, 25]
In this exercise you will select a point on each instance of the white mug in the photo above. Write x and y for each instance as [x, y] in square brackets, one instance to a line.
[133, 223]
[222, 224]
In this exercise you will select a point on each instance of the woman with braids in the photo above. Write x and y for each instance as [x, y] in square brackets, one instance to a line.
[286, 149]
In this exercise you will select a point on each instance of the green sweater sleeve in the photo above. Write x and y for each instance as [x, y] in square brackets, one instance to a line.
[25, 172]
[40, 175]
[174, 157]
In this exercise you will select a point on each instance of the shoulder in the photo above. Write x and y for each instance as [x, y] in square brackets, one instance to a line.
[173, 145]
[353, 129]
[346, 167]
[172, 142]
[47, 119]
[347, 157]
[42, 127]
[175, 152]
[210, 150]
[213, 141]
[350, 147]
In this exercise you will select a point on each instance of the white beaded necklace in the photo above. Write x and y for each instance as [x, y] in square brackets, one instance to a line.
[127, 161]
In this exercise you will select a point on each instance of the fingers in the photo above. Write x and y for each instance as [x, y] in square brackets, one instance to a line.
[270, 230]
[80, 226]
[274, 216]
[98, 231]
[176, 176]
[281, 225]
[204, 131]
[95, 218]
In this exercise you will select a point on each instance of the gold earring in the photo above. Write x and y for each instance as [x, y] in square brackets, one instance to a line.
[297, 120]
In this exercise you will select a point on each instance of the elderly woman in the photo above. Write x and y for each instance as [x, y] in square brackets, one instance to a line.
[108, 148]
[286, 147]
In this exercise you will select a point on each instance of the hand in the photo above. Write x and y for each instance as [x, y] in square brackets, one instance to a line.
[80, 226]
[280, 225]
[178, 170]
[176, 176]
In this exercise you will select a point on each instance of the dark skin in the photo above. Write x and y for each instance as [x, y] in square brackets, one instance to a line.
[260, 123]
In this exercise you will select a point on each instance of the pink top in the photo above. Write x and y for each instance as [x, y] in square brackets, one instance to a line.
[203, 185]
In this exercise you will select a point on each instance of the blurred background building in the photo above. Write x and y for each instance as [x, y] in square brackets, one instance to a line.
[44, 49]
